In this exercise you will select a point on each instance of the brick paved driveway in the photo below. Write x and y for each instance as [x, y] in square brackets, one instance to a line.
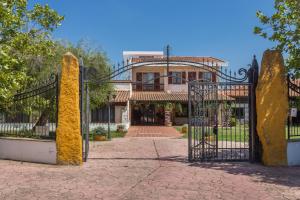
[152, 131]
[146, 168]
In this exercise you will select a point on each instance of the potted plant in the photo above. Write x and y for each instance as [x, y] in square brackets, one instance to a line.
[121, 128]
[168, 113]
[99, 134]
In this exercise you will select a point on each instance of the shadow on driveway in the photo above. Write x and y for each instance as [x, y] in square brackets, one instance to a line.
[287, 176]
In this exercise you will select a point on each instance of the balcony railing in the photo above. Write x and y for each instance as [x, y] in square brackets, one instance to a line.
[147, 87]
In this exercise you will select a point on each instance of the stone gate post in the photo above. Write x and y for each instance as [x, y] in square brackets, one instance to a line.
[68, 135]
[272, 108]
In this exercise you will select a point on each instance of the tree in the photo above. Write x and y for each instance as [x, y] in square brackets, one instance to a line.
[283, 27]
[93, 58]
[25, 41]
[97, 63]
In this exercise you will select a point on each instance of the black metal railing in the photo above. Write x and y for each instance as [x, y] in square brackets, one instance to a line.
[32, 113]
[147, 87]
[293, 121]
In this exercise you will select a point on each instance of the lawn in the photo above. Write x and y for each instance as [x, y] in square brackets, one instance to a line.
[239, 133]
[236, 133]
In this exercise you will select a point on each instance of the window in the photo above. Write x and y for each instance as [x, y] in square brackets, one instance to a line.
[100, 115]
[176, 78]
[207, 76]
[148, 81]
[148, 78]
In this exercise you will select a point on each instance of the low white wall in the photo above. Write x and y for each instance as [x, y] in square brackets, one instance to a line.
[113, 126]
[293, 153]
[28, 150]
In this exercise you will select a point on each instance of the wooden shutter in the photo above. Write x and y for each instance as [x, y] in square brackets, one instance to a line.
[183, 77]
[200, 76]
[214, 77]
[191, 76]
[169, 77]
[139, 81]
[156, 81]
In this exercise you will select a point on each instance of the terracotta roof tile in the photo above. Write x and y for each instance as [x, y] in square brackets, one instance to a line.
[164, 96]
[158, 96]
[121, 96]
[179, 58]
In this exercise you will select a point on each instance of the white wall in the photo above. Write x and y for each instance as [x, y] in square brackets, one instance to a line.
[119, 113]
[293, 153]
[122, 86]
[176, 88]
[113, 126]
[28, 150]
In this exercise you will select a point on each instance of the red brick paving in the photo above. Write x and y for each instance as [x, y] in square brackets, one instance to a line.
[144, 168]
[152, 131]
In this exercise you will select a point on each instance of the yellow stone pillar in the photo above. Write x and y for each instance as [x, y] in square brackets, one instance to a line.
[68, 137]
[272, 108]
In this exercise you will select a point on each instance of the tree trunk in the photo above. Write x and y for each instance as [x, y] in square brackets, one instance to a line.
[43, 119]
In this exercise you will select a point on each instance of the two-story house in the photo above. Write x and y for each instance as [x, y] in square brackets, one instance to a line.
[143, 92]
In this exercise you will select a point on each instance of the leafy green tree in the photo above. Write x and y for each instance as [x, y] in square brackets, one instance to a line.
[98, 66]
[25, 41]
[97, 63]
[283, 27]
[93, 58]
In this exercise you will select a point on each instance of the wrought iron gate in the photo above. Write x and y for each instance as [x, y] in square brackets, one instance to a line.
[221, 118]
[84, 112]
[293, 121]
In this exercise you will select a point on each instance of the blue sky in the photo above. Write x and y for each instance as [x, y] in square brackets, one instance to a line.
[219, 28]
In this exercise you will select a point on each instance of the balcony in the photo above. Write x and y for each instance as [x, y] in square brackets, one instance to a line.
[147, 87]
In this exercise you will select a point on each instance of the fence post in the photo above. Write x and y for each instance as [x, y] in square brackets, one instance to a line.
[68, 134]
[254, 143]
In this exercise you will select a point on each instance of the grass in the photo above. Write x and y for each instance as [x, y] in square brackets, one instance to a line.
[294, 131]
[239, 133]
[236, 133]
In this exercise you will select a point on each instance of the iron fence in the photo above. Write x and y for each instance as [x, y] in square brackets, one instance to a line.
[293, 121]
[32, 113]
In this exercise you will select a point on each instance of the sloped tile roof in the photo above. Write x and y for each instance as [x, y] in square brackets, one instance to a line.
[121, 96]
[179, 58]
[158, 96]
[174, 96]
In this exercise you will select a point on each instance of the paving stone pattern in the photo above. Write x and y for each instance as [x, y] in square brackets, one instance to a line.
[136, 168]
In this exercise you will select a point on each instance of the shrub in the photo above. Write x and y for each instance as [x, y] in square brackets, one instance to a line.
[232, 121]
[121, 128]
[99, 131]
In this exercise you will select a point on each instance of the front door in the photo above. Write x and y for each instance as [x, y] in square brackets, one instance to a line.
[147, 114]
